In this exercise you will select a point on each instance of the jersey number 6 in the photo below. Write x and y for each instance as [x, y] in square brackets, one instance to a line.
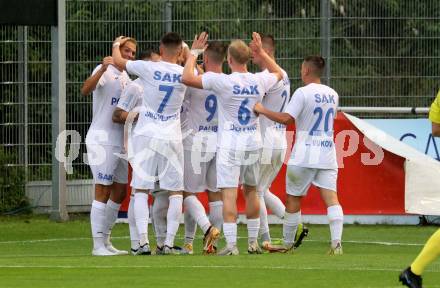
[244, 114]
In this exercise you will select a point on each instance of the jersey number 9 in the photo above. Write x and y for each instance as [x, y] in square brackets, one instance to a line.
[211, 106]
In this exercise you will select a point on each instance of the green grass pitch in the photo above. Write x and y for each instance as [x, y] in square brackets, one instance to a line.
[35, 252]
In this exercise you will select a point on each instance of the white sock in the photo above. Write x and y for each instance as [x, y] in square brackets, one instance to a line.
[173, 218]
[274, 204]
[134, 235]
[230, 231]
[190, 227]
[291, 222]
[97, 219]
[160, 210]
[264, 225]
[253, 225]
[336, 223]
[111, 214]
[141, 215]
[216, 214]
[193, 206]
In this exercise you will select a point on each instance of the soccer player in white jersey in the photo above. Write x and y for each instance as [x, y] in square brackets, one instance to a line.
[200, 147]
[157, 140]
[274, 142]
[104, 140]
[131, 101]
[313, 160]
[239, 140]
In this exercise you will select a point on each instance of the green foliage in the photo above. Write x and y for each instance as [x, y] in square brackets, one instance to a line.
[12, 183]
[383, 53]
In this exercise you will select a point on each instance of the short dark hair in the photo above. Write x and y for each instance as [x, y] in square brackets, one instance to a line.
[317, 63]
[171, 40]
[216, 51]
[268, 37]
[146, 54]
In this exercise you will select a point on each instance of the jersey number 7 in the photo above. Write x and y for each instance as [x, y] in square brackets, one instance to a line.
[168, 91]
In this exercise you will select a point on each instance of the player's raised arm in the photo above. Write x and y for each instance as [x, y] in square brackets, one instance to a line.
[91, 82]
[257, 48]
[197, 48]
[280, 117]
[118, 60]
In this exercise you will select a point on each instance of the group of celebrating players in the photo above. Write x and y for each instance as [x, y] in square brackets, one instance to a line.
[192, 128]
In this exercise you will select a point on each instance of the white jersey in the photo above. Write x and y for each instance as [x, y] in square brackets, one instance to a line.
[237, 94]
[276, 99]
[131, 97]
[314, 108]
[103, 131]
[201, 121]
[163, 95]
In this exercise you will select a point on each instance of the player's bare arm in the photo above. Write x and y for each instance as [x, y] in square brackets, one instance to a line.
[119, 115]
[280, 117]
[91, 82]
[200, 70]
[198, 46]
[435, 129]
[116, 53]
[257, 48]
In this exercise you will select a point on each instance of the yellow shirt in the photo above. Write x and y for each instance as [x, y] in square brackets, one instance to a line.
[434, 112]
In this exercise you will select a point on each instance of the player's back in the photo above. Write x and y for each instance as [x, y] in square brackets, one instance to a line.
[201, 119]
[163, 94]
[319, 110]
[314, 108]
[237, 94]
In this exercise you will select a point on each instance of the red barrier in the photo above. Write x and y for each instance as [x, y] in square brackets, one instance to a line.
[362, 189]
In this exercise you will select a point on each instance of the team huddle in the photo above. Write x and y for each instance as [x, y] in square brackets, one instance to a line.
[187, 128]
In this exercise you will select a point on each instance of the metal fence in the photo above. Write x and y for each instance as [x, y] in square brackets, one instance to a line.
[379, 54]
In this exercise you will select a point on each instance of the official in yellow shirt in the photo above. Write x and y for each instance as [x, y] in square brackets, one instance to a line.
[412, 276]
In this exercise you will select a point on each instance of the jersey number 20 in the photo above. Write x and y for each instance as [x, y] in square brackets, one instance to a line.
[329, 114]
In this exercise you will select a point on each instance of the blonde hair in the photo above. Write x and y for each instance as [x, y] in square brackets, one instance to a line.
[132, 40]
[239, 51]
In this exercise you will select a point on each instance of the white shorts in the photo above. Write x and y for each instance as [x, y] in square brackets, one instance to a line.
[270, 164]
[105, 165]
[156, 190]
[237, 167]
[156, 159]
[299, 179]
[200, 172]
